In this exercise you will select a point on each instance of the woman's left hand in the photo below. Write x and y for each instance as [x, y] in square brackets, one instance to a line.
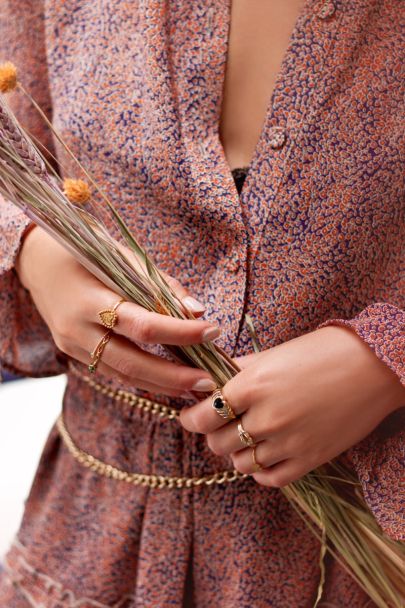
[303, 402]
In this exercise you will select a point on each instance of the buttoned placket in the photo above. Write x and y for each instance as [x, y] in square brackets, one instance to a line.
[282, 124]
[199, 95]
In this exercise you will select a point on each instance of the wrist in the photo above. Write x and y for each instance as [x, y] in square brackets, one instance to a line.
[25, 256]
[388, 386]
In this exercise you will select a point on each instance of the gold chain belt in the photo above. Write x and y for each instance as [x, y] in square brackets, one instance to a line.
[137, 479]
[140, 479]
[141, 403]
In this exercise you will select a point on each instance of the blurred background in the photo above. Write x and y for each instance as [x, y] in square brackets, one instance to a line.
[28, 409]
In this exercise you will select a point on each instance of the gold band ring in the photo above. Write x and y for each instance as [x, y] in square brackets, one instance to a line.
[108, 317]
[256, 465]
[98, 351]
[244, 436]
[221, 405]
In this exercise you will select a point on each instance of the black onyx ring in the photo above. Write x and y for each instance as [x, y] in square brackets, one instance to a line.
[221, 406]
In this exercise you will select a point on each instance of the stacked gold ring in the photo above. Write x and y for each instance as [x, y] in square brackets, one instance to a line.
[244, 436]
[222, 406]
[108, 318]
[256, 465]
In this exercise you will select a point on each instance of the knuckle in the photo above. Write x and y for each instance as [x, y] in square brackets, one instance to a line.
[174, 283]
[197, 421]
[239, 464]
[259, 375]
[62, 343]
[276, 419]
[182, 378]
[246, 393]
[63, 328]
[124, 366]
[63, 338]
[214, 446]
[141, 329]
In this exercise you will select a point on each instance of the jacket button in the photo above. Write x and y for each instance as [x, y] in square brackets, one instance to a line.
[326, 9]
[277, 137]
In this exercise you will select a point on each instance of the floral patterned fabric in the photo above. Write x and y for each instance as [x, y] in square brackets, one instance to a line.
[316, 237]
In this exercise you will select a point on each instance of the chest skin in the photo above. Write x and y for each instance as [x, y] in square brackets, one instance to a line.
[258, 39]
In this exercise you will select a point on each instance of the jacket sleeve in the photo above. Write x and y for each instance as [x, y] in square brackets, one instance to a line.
[379, 458]
[26, 345]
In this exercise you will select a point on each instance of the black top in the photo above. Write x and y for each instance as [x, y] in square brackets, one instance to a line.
[239, 175]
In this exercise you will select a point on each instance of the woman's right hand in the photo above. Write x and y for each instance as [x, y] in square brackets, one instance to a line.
[68, 297]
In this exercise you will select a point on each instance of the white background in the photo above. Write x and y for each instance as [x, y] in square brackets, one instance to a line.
[28, 408]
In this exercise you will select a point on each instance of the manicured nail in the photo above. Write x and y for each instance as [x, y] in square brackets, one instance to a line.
[187, 395]
[193, 304]
[210, 333]
[204, 385]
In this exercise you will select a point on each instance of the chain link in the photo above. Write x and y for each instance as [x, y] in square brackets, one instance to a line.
[132, 399]
[140, 479]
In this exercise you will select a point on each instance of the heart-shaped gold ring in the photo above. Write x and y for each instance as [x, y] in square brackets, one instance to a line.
[109, 317]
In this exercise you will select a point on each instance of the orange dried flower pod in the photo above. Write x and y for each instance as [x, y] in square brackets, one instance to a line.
[76, 190]
[8, 77]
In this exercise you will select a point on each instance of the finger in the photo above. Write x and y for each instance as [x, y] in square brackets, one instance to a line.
[138, 365]
[79, 354]
[202, 417]
[105, 370]
[226, 440]
[140, 325]
[188, 301]
[267, 454]
[281, 474]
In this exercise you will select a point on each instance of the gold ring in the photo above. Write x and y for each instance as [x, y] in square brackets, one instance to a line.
[98, 351]
[244, 436]
[108, 317]
[256, 465]
[221, 405]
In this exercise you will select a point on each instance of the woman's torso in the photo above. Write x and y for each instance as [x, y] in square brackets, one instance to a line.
[318, 218]
[315, 234]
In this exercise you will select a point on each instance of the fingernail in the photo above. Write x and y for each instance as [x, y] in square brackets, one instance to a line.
[210, 333]
[205, 384]
[193, 304]
[187, 396]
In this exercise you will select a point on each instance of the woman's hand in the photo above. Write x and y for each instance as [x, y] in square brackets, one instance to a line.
[68, 297]
[303, 402]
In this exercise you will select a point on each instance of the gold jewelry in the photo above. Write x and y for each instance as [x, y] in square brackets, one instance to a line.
[244, 436]
[256, 465]
[131, 399]
[140, 479]
[221, 405]
[98, 351]
[108, 317]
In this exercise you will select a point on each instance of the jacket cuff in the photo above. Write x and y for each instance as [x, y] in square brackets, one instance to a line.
[378, 459]
[381, 326]
[26, 344]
